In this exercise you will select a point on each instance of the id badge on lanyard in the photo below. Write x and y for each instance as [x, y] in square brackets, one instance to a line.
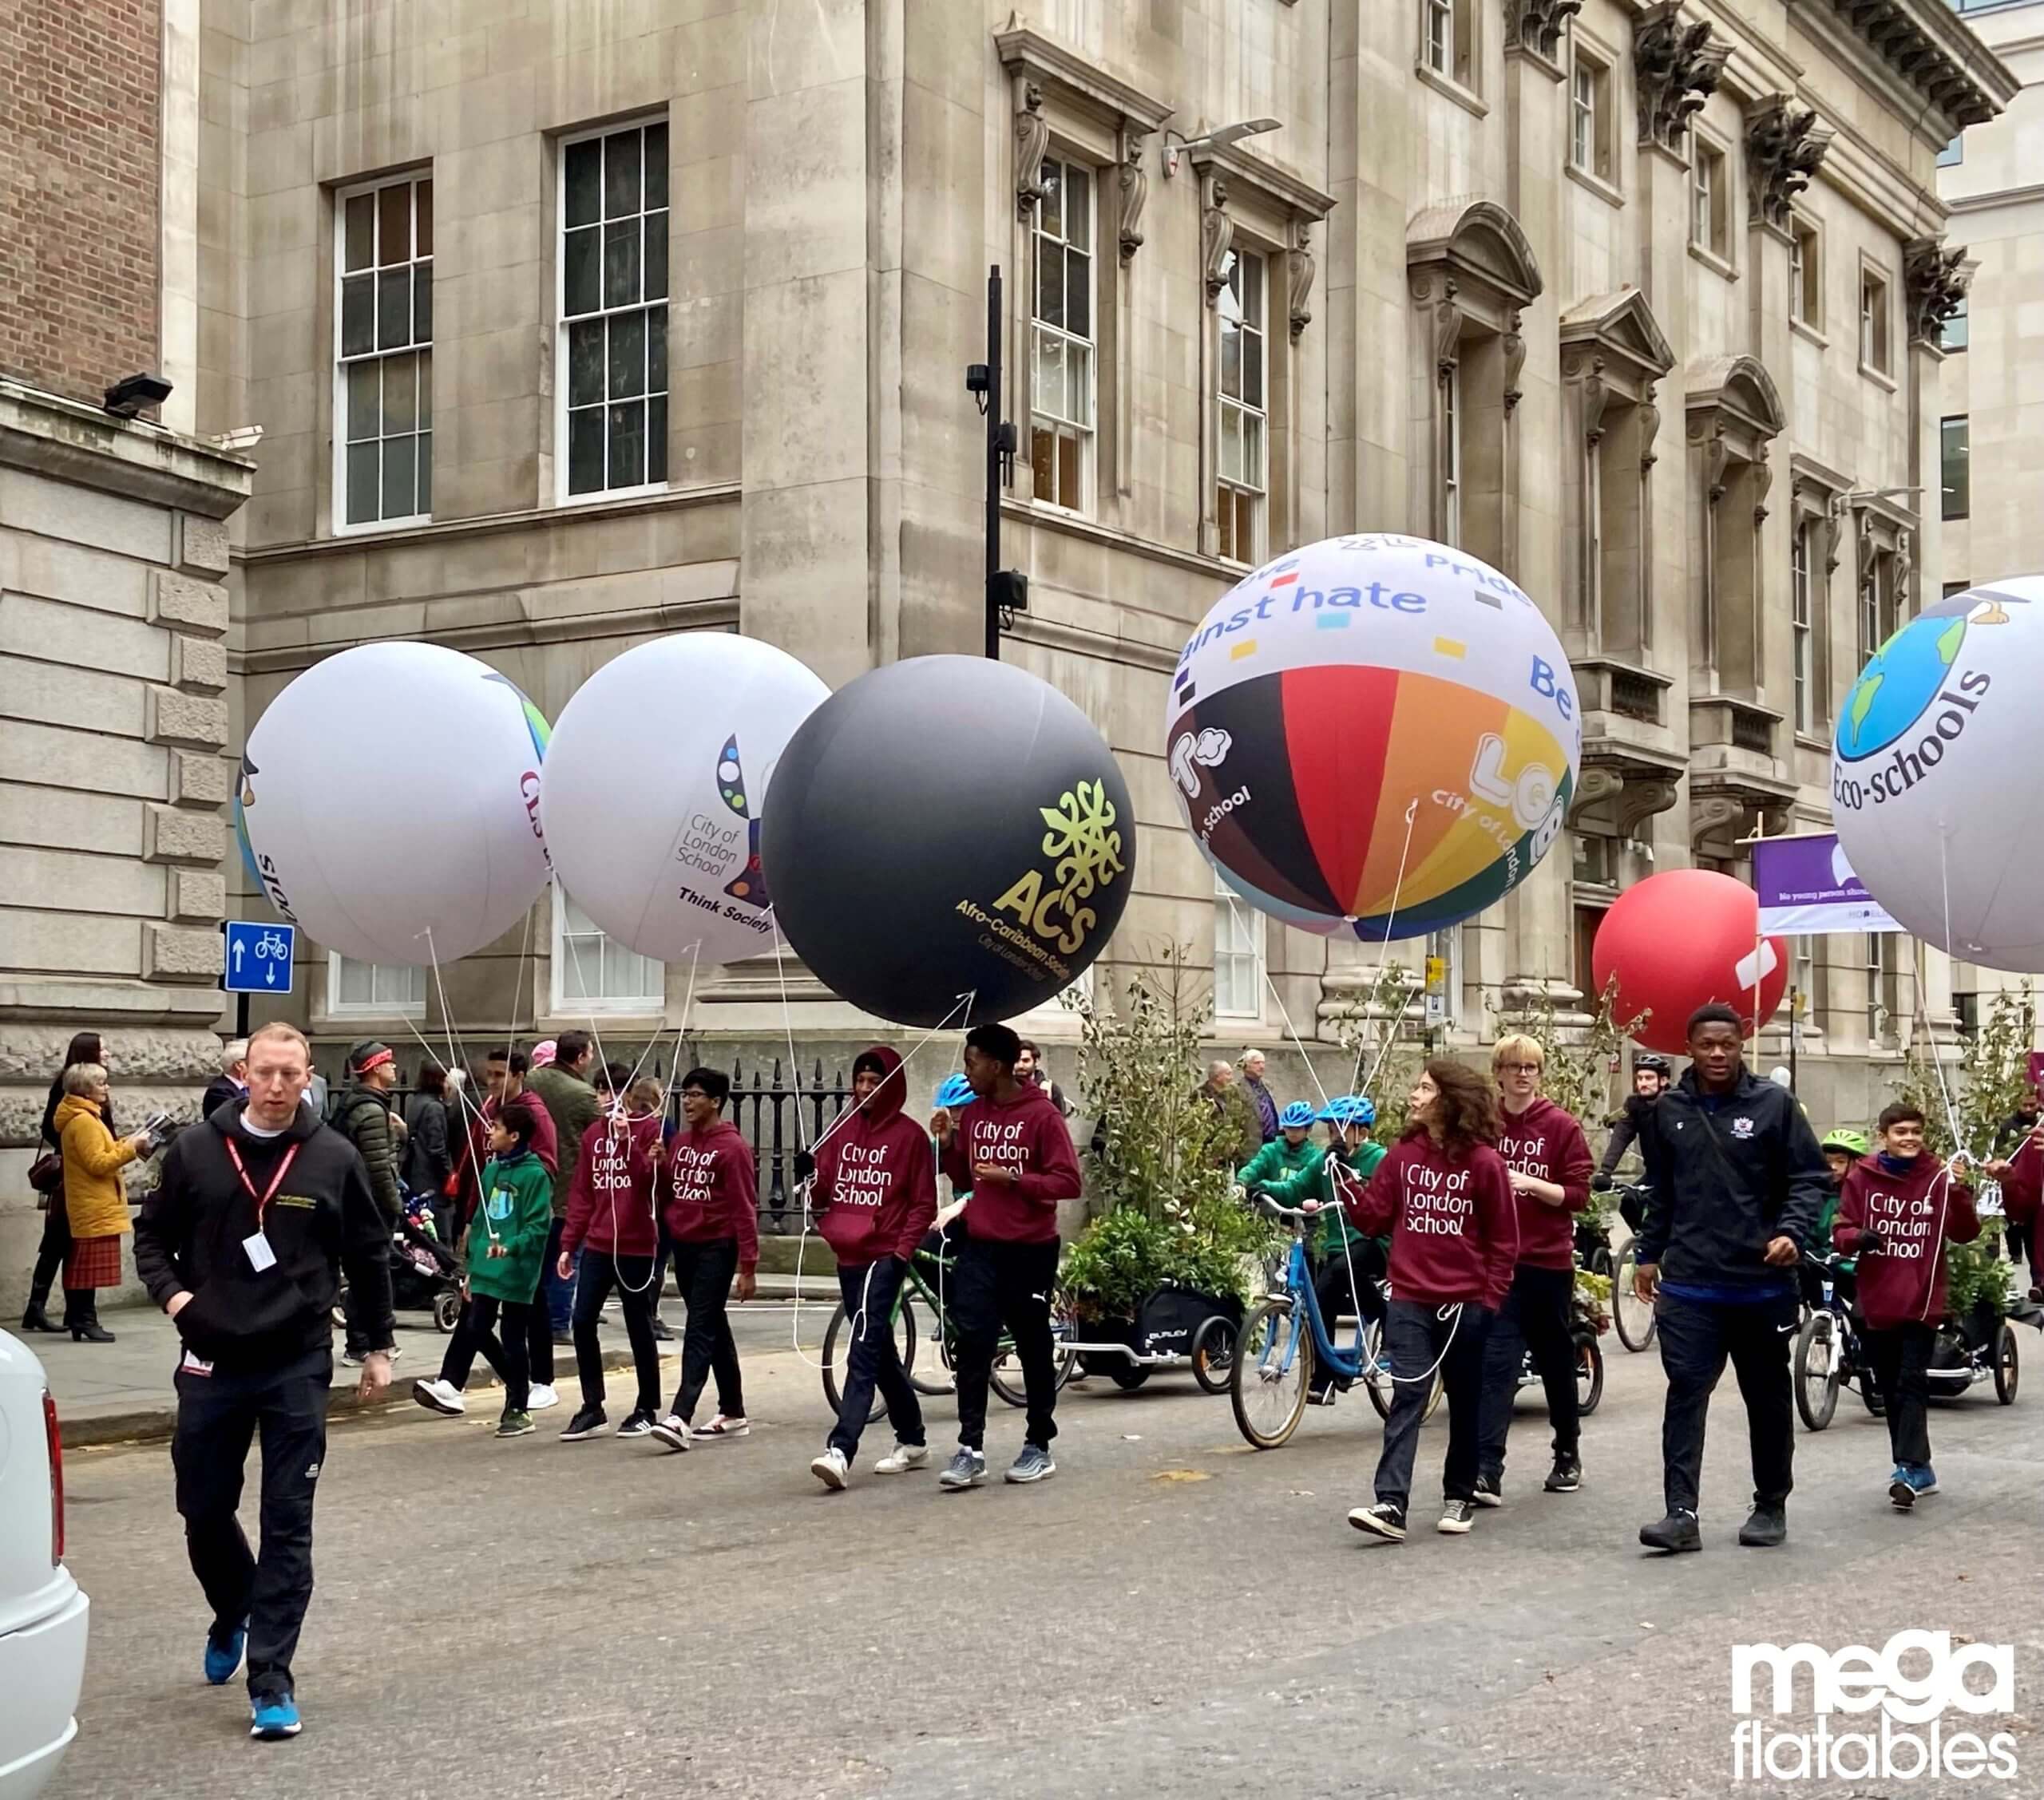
[257, 1247]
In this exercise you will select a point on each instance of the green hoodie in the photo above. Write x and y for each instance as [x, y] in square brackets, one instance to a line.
[515, 1215]
[1277, 1160]
[1313, 1181]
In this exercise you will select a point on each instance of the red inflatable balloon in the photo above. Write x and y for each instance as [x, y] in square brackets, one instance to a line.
[1679, 940]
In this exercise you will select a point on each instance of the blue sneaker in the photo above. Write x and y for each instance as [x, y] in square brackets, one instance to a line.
[273, 1716]
[1901, 1490]
[223, 1659]
[1924, 1479]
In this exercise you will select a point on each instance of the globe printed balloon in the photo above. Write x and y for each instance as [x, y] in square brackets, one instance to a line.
[391, 871]
[948, 827]
[1935, 774]
[654, 781]
[1377, 731]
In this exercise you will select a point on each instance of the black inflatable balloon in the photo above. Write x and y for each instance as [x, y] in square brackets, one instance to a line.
[943, 826]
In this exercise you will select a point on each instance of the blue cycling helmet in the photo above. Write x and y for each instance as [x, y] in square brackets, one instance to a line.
[1350, 1108]
[955, 1092]
[1296, 1115]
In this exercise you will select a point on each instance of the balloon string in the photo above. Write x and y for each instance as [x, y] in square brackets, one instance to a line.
[1376, 982]
[1312, 1074]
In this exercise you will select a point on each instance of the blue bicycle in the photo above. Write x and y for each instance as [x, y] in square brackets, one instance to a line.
[1285, 1340]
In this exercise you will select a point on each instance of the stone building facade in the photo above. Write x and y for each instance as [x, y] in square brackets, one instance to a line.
[571, 325]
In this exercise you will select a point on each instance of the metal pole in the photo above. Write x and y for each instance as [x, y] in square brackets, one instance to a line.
[995, 409]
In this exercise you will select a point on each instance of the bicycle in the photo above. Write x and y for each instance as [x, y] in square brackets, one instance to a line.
[923, 1281]
[1830, 1352]
[1285, 1337]
[1633, 1316]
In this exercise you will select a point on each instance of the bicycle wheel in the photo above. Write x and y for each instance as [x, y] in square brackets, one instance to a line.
[942, 1381]
[1817, 1370]
[1632, 1315]
[2005, 1370]
[1376, 1374]
[1273, 1367]
[1589, 1376]
[837, 1349]
[1214, 1353]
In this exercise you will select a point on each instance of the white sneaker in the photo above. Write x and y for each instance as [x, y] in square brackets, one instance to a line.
[672, 1431]
[721, 1427]
[831, 1469]
[540, 1397]
[440, 1397]
[901, 1459]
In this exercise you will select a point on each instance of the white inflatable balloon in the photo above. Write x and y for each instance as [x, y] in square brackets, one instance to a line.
[369, 863]
[1935, 774]
[654, 781]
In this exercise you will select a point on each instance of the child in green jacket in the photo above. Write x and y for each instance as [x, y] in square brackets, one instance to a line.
[1346, 1265]
[1286, 1154]
[506, 1245]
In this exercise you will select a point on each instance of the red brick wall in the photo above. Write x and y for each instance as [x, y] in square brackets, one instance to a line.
[79, 169]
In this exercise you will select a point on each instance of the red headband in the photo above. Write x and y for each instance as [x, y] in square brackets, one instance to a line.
[375, 1062]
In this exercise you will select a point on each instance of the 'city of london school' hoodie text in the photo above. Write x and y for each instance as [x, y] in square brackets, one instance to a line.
[712, 1192]
[1546, 1142]
[1889, 1213]
[875, 1177]
[1028, 1136]
[1454, 1232]
[610, 1195]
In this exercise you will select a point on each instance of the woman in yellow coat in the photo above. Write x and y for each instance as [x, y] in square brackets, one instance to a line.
[95, 1200]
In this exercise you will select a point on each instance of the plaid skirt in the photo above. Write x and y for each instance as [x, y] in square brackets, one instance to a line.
[93, 1262]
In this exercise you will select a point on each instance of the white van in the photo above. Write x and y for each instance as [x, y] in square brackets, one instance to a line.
[42, 1612]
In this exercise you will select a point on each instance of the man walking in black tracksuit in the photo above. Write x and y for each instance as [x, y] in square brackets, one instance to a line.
[242, 1245]
[1736, 1184]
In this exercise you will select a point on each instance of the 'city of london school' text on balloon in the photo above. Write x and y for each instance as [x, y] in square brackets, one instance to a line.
[1377, 730]
[382, 869]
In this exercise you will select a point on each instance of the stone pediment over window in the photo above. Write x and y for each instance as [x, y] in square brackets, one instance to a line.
[1478, 244]
[1276, 206]
[1739, 389]
[1622, 327]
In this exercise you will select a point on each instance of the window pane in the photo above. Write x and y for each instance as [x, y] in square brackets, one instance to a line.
[656, 256]
[1078, 294]
[358, 315]
[394, 223]
[393, 308]
[1069, 491]
[1050, 285]
[423, 303]
[1043, 462]
[627, 444]
[621, 255]
[1253, 367]
[656, 350]
[361, 483]
[360, 231]
[584, 181]
[621, 188]
[1078, 208]
[400, 395]
[628, 356]
[398, 468]
[586, 450]
[1253, 291]
[1252, 450]
[364, 414]
[1050, 214]
[423, 205]
[424, 388]
[1079, 383]
[656, 167]
[1231, 444]
[579, 289]
[1231, 357]
[425, 472]
[352, 981]
[585, 362]
[656, 438]
[1050, 373]
[1225, 512]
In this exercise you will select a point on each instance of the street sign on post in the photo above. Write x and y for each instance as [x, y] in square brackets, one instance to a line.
[259, 957]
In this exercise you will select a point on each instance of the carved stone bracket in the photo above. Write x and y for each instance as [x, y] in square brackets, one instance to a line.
[1933, 282]
[1135, 191]
[1217, 236]
[1784, 149]
[1710, 813]
[1676, 68]
[1904, 543]
[1301, 268]
[1514, 361]
[1717, 454]
[1763, 479]
[1448, 332]
[1628, 789]
[1594, 397]
[1537, 25]
[1650, 429]
[1834, 532]
[1033, 138]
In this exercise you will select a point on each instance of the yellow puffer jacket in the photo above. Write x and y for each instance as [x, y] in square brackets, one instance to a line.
[95, 1201]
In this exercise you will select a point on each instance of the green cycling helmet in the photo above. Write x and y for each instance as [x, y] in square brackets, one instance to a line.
[1853, 1143]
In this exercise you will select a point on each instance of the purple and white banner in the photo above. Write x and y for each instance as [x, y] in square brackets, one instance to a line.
[1808, 887]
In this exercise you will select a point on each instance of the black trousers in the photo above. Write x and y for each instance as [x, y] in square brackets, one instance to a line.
[49, 1253]
[1697, 1337]
[1416, 1336]
[702, 1274]
[633, 1275]
[218, 1415]
[1901, 1355]
[476, 1330]
[872, 1359]
[539, 1317]
[992, 1286]
[2020, 1239]
[1535, 1317]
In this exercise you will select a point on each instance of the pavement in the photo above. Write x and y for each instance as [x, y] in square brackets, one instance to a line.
[1173, 1615]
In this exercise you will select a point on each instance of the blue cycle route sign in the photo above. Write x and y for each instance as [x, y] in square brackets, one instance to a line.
[259, 957]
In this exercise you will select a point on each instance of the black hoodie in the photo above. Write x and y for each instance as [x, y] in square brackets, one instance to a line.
[192, 1229]
[1726, 1174]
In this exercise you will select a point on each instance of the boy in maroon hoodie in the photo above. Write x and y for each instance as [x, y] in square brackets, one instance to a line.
[610, 1222]
[1898, 1209]
[874, 1197]
[712, 1212]
[1012, 1148]
[1444, 1195]
[1547, 1160]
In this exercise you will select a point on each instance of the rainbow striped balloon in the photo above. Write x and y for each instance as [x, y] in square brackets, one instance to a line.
[1377, 733]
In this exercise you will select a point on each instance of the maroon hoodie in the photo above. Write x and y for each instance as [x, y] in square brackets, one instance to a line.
[1891, 1223]
[2022, 1188]
[1454, 1232]
[1026, 1135]
[712, 1192]
[610, 1197]
[876, 1179]
[1546, 1142]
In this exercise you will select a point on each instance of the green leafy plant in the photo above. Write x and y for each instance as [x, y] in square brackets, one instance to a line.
[1116, 1265]
[1593, 1292]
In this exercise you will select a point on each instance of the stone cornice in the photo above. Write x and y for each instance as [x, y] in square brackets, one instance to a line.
[1914, 53]
[70, 440]
[1076, 80]
[1284, 190]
